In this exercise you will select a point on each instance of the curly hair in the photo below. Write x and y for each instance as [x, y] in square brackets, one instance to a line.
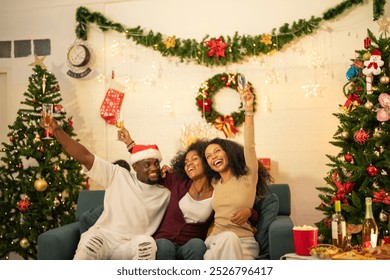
[178, 162]
[235, 154]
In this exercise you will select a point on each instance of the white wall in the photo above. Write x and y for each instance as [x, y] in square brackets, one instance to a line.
[294, 135]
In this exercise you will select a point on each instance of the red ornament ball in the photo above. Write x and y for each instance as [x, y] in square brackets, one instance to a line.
[372, 170]
[348, 157]
[24, 205]
[361, 136]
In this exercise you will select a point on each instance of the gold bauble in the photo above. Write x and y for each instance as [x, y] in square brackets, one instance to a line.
[24, 243]
[367, 56]
[368, 105]
[345, 134]
[40, 185]
[384, 80]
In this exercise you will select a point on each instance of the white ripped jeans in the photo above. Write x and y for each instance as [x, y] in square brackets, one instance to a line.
[228, 246]
[97, 244]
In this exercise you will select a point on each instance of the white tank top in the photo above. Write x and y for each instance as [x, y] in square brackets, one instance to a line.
[195, 211]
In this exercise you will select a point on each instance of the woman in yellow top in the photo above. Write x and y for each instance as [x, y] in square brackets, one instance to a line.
[235, 187]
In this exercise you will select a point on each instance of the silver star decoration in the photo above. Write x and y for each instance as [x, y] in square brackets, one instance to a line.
[312, 90]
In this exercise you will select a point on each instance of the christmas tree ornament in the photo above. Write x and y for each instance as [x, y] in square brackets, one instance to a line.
[345, 134]
[24, 205]
[367, 43]
[40, 185]
[368, 105]
[56, 202]
[24, 243]
[37, 138]
[112, 103]
[384, 80]
[366, 56]
[384, 25]
[44, 84]
[361, 136]
[348, 157]
[352, 72]
[372, 170]
[383, 114]
[374, 64]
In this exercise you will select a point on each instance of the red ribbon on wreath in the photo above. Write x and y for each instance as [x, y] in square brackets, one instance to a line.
[217, 48]
[226, 124]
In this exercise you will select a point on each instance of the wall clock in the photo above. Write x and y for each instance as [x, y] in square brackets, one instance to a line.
[79, 58]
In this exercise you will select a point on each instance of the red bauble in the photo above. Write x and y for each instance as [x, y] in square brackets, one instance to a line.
[361, 136]
[24, 205]
[372, 170]
[348, 157]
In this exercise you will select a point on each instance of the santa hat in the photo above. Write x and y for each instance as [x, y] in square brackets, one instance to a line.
[376, 52]
[141, 152]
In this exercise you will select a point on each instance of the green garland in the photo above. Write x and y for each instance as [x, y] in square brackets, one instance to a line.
[238, 47]
[204, 100]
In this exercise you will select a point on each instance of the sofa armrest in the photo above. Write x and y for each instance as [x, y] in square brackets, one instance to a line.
[280, 237]
[59, 243]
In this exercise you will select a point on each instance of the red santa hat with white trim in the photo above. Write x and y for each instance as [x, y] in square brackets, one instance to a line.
[141, 152]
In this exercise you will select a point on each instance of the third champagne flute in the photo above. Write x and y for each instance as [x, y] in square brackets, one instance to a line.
[47, 112]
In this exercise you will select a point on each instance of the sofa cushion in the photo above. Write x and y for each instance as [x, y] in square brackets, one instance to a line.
[89, 218]
[267, 207]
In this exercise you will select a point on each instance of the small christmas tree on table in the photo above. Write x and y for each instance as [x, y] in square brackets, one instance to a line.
[39, 181]
[362, 167]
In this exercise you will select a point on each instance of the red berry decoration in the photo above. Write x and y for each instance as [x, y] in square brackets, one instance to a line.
[361, 136]
[348, 157]
[372, 170]
[24, 205]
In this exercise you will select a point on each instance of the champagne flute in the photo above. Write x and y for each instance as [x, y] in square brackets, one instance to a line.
[47, 112]
[242, 84]
[119, 120]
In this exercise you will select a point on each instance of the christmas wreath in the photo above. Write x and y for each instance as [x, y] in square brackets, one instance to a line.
[204, 101]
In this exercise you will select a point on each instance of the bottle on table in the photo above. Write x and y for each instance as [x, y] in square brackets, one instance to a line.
[339, 228]
[370, 228]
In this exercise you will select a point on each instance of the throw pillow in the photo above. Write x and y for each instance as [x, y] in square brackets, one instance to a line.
[267, 207]
[89, 218]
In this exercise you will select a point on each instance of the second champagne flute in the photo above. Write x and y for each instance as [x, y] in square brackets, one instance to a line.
[47, 112]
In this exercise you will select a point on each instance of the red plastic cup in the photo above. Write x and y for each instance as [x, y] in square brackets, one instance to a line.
[304, 239]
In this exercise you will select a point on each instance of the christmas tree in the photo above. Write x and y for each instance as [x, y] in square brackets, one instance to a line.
[362, 167]
[39, 182]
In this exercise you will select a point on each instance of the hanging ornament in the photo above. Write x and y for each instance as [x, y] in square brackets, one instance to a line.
[352, 72]
[56, 202]
[384, 80]
[44, 84]
[366, 56]
[57, 108]
[24, 205]
[367, 43]
[361, 136]
[383, 114]
[345, 134]
[383, 217]
[40, 185]
[24, 243]
[348, 157]
[372, 170]
[368, 105]
[37, 138]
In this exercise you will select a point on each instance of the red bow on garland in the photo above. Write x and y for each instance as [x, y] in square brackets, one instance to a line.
[226, 124]
[217, 48]
[381, 196]
[342, 191]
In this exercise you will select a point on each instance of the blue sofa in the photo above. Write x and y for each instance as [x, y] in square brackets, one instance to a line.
[274, 230]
